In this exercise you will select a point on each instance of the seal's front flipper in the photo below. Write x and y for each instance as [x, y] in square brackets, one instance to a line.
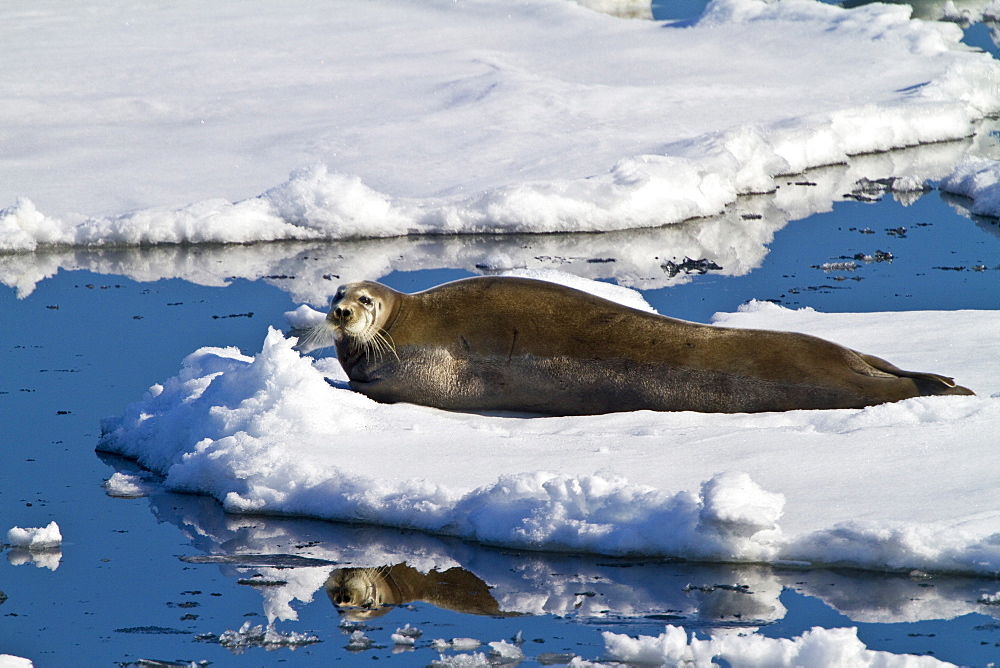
[378, 390]
[338, 384]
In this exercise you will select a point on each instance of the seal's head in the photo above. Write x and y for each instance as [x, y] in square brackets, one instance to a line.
[358, 316]
[359, 313]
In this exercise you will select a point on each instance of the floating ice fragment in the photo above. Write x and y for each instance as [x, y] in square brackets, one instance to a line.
[463, 661]
[406, 635]
[506, 652]
[359, 642]
[456, 644]
[126, 486]
[45, 538]
[838, 266]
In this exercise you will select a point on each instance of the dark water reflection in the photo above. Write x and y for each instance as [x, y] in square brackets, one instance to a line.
[367, 572]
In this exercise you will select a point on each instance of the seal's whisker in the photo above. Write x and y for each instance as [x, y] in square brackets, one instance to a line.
[318, 336]
[389, 342]
[381, 343]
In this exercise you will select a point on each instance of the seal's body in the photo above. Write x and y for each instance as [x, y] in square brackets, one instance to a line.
[515, 344]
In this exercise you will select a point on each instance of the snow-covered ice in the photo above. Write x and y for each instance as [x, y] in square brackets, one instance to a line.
[898, 486]
[35, 545]
[406, 117]
[736, 240]
[41, 538]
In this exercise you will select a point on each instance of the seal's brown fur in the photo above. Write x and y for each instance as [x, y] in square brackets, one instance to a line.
[515, 344]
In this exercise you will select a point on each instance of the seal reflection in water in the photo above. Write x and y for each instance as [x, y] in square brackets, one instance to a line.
[364, 593]
[516, 344]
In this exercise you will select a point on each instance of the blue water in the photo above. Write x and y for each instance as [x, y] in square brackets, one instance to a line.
[943, 261]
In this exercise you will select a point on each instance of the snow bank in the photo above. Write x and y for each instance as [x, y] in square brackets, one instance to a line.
[735, 241]
[979, 180]
[815, 647]
[897, 486]
[44, 538]
[475, 118]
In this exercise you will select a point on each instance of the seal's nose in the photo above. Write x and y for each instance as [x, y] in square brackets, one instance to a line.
[342, 313]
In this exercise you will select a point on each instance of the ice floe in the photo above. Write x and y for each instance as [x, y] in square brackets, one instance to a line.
[891, 487]
[474, 119]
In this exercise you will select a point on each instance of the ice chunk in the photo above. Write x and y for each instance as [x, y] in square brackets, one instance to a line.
[45, 538]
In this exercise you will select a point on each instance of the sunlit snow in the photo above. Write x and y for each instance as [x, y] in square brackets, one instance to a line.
[473, 117]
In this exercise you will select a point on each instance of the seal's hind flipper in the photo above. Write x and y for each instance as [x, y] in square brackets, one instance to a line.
[949, 382]
[928, 383]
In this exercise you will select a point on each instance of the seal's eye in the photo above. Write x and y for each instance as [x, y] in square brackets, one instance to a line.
[367, 301]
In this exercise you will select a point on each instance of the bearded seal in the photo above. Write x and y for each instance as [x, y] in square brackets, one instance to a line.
[502, 344]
